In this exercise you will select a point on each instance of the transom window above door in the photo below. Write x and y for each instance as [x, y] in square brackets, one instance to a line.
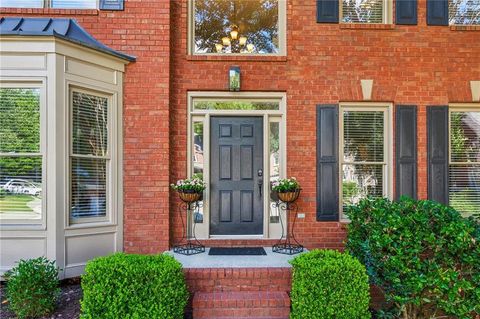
[242, 27]
[366, 11]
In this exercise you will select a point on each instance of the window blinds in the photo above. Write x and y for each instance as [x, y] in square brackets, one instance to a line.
[20, 154]
[363, 11]
[90, 158]
[363, 155]
[464, 12]
[464, 169]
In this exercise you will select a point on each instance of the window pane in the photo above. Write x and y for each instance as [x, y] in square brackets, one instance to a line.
[274, 135]
[20, 187]
[464, 188]
[90, 124]
[198, 162]
[74, 4]
[255, 24]
[464, 12]
[88, 189]
[363, 136]
[21, 3]
[235, 105]
[360, 181]
[19, 120]
[465, 137]
[362, 11]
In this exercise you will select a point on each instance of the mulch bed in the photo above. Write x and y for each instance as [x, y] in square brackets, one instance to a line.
[68, 304]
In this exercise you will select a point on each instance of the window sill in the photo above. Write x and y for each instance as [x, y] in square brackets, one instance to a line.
[465, 27]
[251, 58]
[374, 26]
[49, 11]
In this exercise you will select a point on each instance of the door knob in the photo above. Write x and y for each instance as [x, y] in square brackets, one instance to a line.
[260, 181]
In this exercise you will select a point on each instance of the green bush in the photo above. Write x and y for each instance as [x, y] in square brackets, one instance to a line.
[329, 284]
[32, 287]
[424, 255]
[133, 286]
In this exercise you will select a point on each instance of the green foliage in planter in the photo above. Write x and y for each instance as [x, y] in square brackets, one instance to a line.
[133, 286]
[32, 287]
[425, 256]
[329, 284]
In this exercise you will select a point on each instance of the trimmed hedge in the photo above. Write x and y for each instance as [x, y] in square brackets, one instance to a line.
[424, 255]
[133, 286]
[32, 287]
[329, 284]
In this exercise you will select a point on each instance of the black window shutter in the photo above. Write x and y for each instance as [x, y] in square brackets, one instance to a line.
[437, 153]
[115, 5]
[437, 12]
[406, 12]
[327, 162]
[327, 11]
[406, 150]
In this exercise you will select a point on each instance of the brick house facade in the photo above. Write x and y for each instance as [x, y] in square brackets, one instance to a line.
[421, 65]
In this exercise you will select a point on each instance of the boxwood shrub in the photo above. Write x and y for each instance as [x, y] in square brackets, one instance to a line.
[32, 287]
[424, 255]
[133, 286]
[329, 284]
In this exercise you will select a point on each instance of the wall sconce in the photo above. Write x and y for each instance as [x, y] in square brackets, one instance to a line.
[234, 78]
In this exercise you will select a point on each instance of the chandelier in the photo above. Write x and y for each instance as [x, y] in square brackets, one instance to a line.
[234, 43]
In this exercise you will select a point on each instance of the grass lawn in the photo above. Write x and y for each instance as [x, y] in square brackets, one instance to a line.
[15, 203]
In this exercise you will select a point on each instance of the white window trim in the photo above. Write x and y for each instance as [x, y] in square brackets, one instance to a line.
[47, 4]
[111, 159]
[36, 83]
[387, 13]
[282, 33]
[270, 230]
[388, 146]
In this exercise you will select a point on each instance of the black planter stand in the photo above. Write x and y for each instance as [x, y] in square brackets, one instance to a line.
[287, 244]
[189, 244]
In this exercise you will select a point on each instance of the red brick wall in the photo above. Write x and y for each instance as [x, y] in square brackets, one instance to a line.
[422, 65]
[143, 30]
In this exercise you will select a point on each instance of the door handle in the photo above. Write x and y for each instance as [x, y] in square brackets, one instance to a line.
[260, 181]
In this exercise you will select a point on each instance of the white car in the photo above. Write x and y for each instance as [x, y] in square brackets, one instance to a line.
[22, 186]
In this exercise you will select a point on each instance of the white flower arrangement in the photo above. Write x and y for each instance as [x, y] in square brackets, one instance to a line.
[286, 185]
[193, 185]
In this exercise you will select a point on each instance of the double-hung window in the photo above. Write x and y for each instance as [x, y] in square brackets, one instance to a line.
[366, 11]
[90, 153]
[464, 164]
[21, 152]
[55, 4]
[464, 12]
[238, 27]
[364, 152]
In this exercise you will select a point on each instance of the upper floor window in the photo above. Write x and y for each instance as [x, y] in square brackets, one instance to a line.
[366, 11]
[238, 27]
[56, 4]
[464, 12]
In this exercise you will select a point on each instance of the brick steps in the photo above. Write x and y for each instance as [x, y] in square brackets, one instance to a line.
[241, 304]
[238, 279]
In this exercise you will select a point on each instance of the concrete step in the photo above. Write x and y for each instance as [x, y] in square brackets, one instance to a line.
[238, 279]
[241, 304]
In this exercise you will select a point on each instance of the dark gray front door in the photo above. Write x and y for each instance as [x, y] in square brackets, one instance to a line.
[236, 199]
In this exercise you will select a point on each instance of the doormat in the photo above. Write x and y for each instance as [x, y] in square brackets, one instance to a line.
[237, 251]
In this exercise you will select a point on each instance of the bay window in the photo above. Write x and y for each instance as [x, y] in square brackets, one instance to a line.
[237, 27]
[21, 153]
[364, 153]
[464, 164]
[90, 155]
